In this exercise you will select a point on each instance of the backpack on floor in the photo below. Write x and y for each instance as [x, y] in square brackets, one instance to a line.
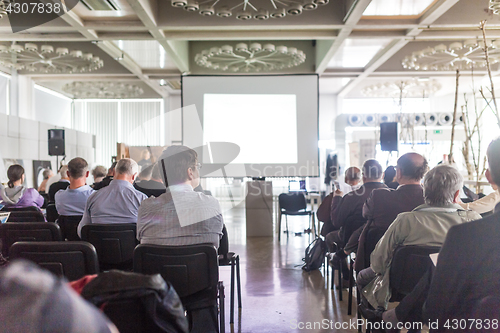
[314, 255]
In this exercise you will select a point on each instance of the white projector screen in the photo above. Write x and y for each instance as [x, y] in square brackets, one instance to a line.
[252, 126]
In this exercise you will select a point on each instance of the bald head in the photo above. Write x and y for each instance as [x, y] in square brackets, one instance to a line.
[411, 168]
[352, 176]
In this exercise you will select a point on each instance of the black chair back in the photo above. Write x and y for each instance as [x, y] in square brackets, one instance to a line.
[26, 216]
[69, 226]
[20, 209]
[372, 237]
[191, 269]
[292, 202]
[12, 232]
[72, 260]
[114, 243]
[409, 264]
[52, 213]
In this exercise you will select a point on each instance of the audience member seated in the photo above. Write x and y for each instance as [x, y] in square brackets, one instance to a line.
[485, 204]
[106, 180]
[469, 261]
[348, 217]
[34, 300]
[62, 184]
[72, 201]
[383, 205]
[145, 160]
[180, 216]
[390, 177]
[98, 173]
[153, 186]
[425, 225]
[329, 205]
[145, 174]
[116, 203]
[54, 179]
[16, 195]
[47, 173]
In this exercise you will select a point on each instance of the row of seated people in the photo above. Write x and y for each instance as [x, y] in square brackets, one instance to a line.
[413, 214]
[180, 216]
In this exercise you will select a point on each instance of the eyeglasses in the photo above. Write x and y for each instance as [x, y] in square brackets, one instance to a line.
[198, 165]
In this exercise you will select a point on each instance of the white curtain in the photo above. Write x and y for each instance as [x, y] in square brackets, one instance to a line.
[136, 123]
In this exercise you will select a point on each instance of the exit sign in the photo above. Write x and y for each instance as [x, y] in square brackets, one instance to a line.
[438, 131]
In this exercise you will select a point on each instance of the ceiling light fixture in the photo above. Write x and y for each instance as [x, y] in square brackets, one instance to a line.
[456, 56]
[245, 10]
[44, 59]
[253, 58]
[88, 89]
[405, 89]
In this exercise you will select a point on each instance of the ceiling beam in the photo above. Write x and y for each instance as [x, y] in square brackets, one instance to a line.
[354, 15]
[257, 34]
[395, 45]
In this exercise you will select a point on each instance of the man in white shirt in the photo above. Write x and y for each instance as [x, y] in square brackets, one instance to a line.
[72, 201]
[180, 216]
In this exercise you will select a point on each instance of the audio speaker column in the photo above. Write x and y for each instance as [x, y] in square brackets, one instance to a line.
[56, 142]
[389, 136]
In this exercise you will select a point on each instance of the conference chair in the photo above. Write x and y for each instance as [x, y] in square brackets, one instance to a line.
[69, 226]
[51, 212]
[20, 209]
[194, 272]
[114, 243]
[233, 260]
[12, 232]
[73, 260]
[26, 216]
[293, 203]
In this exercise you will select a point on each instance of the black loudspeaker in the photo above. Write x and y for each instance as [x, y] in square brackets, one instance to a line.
[56, 142]
[389, 136]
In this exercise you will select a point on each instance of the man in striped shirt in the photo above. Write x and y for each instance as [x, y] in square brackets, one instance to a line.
[180, 216]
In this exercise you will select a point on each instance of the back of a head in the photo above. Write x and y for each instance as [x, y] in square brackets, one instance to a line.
[389, 174]
[46, 173]
[77, 167]
[494, 160]
[99, 172]
[63, 171]
[126, 166]
[440, 185]
[14, 173]
[372, 170]
[174, 162]
[352, 175]
[412, 166]
[146, 172]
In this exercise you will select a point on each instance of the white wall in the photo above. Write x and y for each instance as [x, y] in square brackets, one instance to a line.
[51, 109]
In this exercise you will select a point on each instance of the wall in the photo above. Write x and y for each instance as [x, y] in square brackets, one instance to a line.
[27, 140]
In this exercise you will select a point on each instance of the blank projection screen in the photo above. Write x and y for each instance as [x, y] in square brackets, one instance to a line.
[252, 126]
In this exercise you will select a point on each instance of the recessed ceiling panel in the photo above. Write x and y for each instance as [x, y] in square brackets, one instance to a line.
[146, 53]
[397, 7]
[357, 53]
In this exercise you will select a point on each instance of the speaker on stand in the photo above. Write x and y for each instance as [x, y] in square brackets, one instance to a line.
[389, 136]
[56, 143]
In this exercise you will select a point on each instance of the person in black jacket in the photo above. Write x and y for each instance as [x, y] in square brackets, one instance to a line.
[152, 186]
[60, 185]
[105, 182]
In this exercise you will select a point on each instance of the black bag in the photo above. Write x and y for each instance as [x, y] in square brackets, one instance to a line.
[137, 303]
[315, 255]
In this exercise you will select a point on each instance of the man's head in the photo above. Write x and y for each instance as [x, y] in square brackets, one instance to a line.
[47, 173]
[442, 185]
[64, 172]
[146, 172]
[156, 175]
[411, 168]
[493, 153]
[99, 172]
[352, 176]
[372, 171]
[77, 169]
[179, 164]
[111, 170]
[126, 169]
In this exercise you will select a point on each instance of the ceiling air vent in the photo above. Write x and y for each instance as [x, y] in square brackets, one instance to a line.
[100, 5]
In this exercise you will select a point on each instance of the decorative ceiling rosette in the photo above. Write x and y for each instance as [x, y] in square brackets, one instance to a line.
[253, 58]
[89, 89]
[405, 89]
[47, 59]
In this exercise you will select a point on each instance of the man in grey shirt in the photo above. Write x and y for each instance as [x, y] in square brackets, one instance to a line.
[180, 216]
[118, 202]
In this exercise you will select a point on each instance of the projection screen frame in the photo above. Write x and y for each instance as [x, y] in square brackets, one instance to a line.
[317, 174]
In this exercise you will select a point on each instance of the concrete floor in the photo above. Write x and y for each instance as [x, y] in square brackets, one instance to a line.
[277, 295]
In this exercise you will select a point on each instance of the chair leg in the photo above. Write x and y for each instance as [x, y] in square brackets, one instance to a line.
[351, 284]
[340, 280]
[279, 226]
[358, 298]
[222, 318]
[231, 315]
[238, 282]
[286, 221]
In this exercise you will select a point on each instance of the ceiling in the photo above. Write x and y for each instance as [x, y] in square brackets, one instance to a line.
[349, 43]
